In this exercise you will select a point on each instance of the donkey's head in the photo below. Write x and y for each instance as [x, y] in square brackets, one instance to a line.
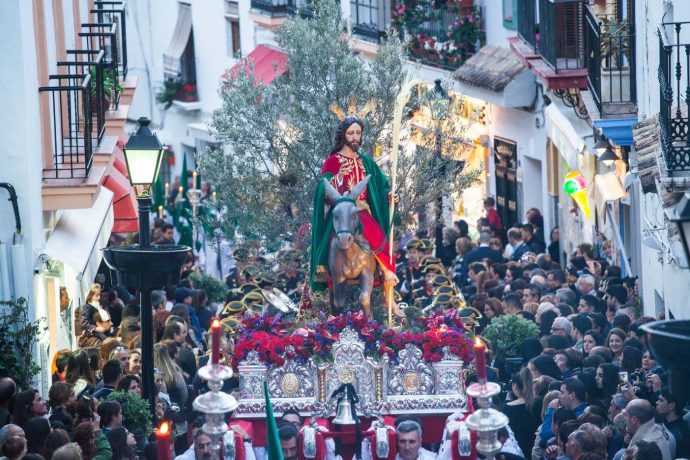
[345, 215]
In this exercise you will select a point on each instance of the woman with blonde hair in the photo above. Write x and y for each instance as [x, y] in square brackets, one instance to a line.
[79, 373]
[172, 374]
[522, 419]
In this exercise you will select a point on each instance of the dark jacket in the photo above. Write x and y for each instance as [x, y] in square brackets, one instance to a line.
[477, 255]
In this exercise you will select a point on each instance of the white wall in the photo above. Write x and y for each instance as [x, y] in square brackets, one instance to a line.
[20, 150]
[496, 34]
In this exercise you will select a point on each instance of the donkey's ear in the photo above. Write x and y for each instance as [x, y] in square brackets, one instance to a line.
[331, 192]
[359, 188]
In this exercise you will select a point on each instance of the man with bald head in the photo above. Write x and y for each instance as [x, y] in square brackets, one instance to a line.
[604, 352]
[640, 425]
[7, 389]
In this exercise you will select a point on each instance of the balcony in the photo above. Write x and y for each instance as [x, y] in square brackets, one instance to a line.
[674, 96]
[273, 8]
[554, 46]
[113, 12]
[443, 35]
[611, 65]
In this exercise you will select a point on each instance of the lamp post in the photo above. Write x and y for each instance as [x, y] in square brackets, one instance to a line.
[144, 265]
[608, 156]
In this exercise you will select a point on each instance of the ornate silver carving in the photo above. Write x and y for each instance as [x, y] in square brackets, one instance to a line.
[309, 442]
[412, 375]
[382, 447]
[291, 380]
[351, 366]
[252, 359]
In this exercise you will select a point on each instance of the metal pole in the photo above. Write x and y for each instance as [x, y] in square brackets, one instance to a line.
[147, 380]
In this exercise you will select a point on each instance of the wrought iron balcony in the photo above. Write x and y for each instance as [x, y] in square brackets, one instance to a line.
[561, 34]
[611, 64]
[82, 62]
[71, 126]
[674, 95]
[272, 7]
[443, 36]
[528, 27]
[301, 7]
[113, 12]
[104, 37]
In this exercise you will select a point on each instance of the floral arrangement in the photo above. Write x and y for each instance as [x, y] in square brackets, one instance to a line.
[270, 337]
[439, 32]
[174, 89]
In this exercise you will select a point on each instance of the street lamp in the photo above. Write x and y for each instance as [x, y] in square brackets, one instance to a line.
[601, 145]
[680, 215]
[144, 265]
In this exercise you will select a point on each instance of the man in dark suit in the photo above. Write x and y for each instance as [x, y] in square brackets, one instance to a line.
[519, 246]
[479, 254]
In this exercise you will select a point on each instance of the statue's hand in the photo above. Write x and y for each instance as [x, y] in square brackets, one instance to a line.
[389, 277]
[393, 197]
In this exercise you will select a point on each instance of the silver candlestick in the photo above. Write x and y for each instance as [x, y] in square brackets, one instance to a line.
[215, 403]
[486, 421]
[194, 197]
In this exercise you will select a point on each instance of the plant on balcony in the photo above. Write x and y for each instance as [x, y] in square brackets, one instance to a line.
[110, 88]
[174, 89]
[430, 36]
[615, 42]
[187, 93]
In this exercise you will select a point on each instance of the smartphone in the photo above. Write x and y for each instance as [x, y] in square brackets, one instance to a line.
[624, 380]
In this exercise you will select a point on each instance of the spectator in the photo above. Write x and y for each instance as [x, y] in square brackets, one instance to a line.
[561, 326]
[7, 390]
[554, 245]
[517, 244]
[110, 414]
[93, 443]
[70, 451]
[590, 340]
[56, 439]
[62, 399]
[288, 441]
[122, 443]
[80, 374]
[670, 409]
[640, 425]
[535, 246]
[408, 438]
[14, 448]
[130, 383]
[614, 341]
[135, 361]
[172, 374]
[60, 362]
[27, 405]
[607, 381]
[522, 418]
[544, 365]
[494, 220]
[112, 375]
[579, 442]
[121, 354]
[85, 327]
[644, 450]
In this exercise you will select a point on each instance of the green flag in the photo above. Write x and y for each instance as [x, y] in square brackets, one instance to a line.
[273, 449]
[159, 197]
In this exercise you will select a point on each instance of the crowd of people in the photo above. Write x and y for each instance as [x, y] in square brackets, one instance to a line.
[586, 388]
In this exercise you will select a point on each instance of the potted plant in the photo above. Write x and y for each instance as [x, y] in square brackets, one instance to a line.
[110, 88]
[214, 288]
[168, 93]
[506, 334]
[136, 415]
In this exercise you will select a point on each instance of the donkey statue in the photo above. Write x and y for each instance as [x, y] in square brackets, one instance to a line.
[350, 259]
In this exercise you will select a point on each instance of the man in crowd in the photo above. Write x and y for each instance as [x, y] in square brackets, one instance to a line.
[640, 425]
[518, 245]
[112, 374]
[288, 441]
[408, 437]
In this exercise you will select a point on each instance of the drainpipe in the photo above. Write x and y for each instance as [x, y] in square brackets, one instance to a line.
[19, 288]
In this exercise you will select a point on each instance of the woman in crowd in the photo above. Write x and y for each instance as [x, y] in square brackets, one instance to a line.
[123, 444]
[520, 411]
[86, 328]
[590, 340]
[130, 383]
[79, 373]
[61, 399]
[85, 409]
[607, 382]
[615, 341]
[94, 445]
[172, 374]
[631, 359]
[36, 430]
[544, 365]
[27, 405]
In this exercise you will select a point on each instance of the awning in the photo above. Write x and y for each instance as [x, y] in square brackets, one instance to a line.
[124, 202]
[568, 133]
[179, 40]
[269, 63]
[497, 76]
[609, 188]
[79, 236]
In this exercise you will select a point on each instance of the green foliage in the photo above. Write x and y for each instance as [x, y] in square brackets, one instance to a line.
[214, 288]
[167, 94]
[278, 135]
[135, 412]
[507, 332]
[110, 85]
[18, 336]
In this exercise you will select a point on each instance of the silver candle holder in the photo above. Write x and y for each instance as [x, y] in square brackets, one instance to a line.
[486, 421]
[215, 404]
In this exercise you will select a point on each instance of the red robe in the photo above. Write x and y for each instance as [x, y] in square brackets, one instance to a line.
[371, 230]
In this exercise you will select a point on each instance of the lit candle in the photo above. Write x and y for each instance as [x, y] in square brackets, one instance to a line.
[167, 190]
[163, 441]
[160, 211]
[194, 180]
[215, 340]
[213, 195]
[480, 359]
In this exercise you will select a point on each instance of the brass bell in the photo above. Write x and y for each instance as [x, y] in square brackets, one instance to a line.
[343, 413]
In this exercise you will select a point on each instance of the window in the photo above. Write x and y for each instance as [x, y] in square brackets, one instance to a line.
[510, 14]
[232, 29]
[365, 15]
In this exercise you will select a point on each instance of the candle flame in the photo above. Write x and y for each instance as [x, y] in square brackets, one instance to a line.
[478, 342]
[164, 428]
[181, 189]
[215, 324]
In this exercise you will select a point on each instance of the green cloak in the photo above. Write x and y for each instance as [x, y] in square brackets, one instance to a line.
[322, 222]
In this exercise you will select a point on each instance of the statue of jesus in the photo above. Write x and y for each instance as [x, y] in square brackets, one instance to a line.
[345, 167]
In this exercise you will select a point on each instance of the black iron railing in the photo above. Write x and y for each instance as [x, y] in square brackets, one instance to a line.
[365, 15]
[611, 64]
[71, 119]
[271, 7]
[528, 26]
[562, 34]
[113, 12]
[303, 7]
[674, 94]
[104, 37]
[82, 62]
